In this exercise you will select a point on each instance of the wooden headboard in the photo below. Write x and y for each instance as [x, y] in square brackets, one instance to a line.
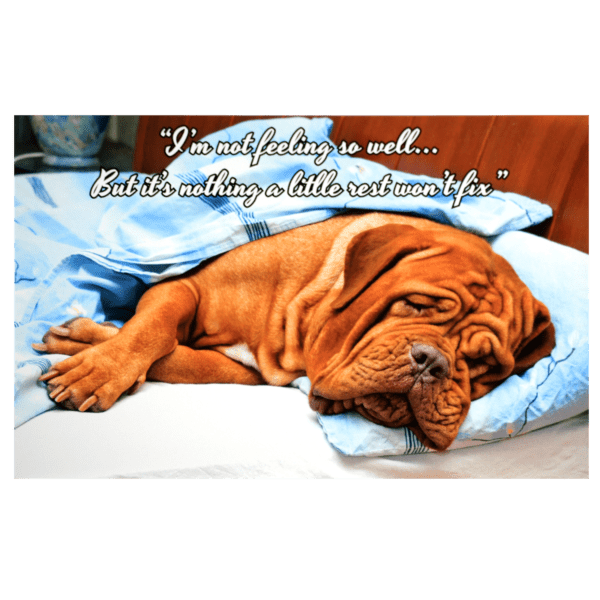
[546, 156]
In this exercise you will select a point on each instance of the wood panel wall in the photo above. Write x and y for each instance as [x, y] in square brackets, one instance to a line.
[546, 156]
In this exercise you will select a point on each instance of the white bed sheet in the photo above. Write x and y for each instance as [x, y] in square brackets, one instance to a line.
[230, 431]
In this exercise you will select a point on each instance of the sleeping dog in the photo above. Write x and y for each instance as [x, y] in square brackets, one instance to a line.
[401, 319]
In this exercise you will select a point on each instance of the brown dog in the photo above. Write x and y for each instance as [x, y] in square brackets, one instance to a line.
[400, 319]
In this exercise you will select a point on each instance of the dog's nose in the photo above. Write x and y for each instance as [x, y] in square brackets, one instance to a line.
[430, 364]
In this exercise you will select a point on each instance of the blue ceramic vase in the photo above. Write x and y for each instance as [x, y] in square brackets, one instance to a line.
[71, 141]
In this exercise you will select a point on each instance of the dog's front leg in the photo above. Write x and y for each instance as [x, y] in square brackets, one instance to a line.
[96, 377]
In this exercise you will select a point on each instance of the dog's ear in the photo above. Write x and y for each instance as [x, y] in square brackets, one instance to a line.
[371, 252]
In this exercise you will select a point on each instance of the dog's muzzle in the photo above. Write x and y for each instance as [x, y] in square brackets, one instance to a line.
[424, 398]
[421, 373]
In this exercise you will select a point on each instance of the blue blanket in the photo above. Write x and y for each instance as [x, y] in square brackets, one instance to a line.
[78, 255]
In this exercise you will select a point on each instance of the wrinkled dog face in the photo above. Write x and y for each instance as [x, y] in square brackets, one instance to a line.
[425, 322]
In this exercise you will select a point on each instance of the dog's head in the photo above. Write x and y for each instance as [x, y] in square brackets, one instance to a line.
[425, 322]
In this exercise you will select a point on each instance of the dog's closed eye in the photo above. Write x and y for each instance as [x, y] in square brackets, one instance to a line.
[414, 305]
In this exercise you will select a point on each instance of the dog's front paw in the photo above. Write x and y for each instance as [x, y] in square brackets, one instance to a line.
[94, 378]
[74, 336]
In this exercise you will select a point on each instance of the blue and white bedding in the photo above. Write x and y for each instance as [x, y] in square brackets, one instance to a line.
[77, 255]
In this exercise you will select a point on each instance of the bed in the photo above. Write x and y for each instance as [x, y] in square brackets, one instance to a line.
[536, 216]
